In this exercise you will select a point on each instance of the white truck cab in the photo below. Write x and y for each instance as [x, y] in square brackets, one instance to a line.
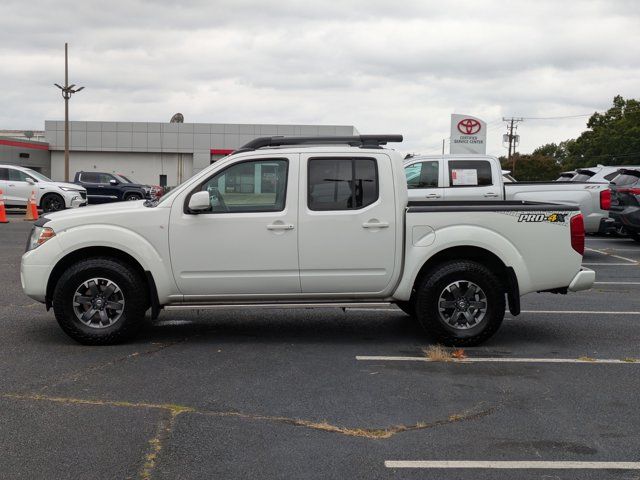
[289, 222]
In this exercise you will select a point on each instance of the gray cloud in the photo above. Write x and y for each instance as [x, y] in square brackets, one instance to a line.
[382, 66]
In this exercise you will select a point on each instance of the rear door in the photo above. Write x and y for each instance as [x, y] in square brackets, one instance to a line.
[347, 217]
[424, 180]
[472, 179]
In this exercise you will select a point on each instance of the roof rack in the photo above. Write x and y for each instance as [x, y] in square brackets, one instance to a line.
[362, 141]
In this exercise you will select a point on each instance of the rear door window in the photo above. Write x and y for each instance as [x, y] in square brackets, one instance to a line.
[89, 177]
[469, 173]
[342, 183]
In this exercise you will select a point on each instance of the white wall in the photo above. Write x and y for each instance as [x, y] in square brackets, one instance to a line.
[142, 167]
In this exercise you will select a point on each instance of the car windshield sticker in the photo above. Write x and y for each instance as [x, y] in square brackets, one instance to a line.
[464, 176]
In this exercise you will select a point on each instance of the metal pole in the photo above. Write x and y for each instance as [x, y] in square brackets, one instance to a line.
[513, 163]
[66, 114]
[443, 145]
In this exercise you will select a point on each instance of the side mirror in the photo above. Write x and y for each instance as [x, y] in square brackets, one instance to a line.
[199, 202]
[31, 181]
[113, 182]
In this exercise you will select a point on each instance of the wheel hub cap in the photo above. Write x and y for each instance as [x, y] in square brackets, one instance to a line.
[98, 303]
[462, 305]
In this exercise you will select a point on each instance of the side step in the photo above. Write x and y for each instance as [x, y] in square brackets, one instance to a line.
[248, 306]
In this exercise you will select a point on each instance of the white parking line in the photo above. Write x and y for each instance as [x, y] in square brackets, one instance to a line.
[381, 358]
[610, 264]
[635, 262]
[512, 465]
[585, 312]
[559, 312]
[616, 283]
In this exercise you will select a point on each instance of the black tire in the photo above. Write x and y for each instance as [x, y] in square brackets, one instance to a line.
[434, 285]
[407, 307]
[52, 202]
[133, 290]
[132, 197]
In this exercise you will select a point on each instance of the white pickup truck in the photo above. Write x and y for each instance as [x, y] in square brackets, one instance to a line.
[289, 222]
[480, 177]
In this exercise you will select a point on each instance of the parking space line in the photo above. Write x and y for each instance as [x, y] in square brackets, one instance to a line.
[521, 465]
[612, 264]
[635, 262]
[616, 283]
[631, 361]
[584, 312]
[559, 312]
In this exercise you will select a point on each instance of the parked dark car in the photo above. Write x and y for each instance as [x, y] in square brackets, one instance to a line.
[625, 202]
[105, 187]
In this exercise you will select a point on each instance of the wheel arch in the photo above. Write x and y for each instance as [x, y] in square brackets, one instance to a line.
[102, 251]
[482, 256]
[48, 194]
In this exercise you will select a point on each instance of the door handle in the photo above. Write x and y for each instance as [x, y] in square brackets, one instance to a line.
[491, 194]
[280, 226]
[375, 225]
[432, 195]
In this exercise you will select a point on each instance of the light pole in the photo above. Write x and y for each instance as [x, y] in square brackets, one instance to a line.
[66, 91]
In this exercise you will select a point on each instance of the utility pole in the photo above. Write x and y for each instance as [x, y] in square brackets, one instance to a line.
[512, 139]
[66, 91]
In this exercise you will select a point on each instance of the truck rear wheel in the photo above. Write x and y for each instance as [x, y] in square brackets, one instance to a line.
[100, 301]
[460, 303]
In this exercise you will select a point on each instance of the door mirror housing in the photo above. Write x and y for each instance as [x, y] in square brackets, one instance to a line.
[31, 181]
[113, 181]
[199, 202]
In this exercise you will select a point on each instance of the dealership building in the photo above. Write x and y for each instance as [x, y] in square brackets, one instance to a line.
[159, 153]
[153, 153]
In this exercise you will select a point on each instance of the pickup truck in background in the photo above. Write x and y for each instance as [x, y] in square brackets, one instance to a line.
[103, 187]
[479, 178]
[294, 222]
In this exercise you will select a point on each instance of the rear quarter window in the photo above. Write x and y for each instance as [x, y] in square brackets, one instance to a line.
[626, 179]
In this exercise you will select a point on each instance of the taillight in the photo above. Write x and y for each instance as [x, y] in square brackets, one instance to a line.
[577, 233]
[605, 199]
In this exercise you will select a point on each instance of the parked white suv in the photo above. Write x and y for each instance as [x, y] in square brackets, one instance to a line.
[599, 173]
[17, 183]
[288, 222]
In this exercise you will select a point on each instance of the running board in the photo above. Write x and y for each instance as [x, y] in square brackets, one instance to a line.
[248, 306]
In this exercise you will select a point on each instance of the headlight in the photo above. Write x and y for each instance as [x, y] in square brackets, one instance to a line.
[69, 189]
[39, 235]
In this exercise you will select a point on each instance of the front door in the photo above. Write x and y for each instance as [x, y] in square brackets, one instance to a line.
[348, 224]
[246, 244]
[424, 180]
[18, 189]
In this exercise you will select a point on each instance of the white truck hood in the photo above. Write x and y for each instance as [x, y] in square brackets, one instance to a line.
[84, 213]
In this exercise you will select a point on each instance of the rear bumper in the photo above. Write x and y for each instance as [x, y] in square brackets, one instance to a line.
[607, 225]
[583, 280]
[629, 218]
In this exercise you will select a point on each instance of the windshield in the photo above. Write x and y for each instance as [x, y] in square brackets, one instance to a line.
[123, 179]
[166, 196]
[37, 175]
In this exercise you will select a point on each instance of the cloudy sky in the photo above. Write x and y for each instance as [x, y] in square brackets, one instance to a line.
[383, 66]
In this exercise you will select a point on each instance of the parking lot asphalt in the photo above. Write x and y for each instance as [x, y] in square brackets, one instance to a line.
[282, 394]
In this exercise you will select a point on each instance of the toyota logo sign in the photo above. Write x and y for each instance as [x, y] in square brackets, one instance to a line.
[469, 126]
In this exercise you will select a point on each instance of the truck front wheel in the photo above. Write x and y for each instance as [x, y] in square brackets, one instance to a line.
[100, 301]
[460, 303]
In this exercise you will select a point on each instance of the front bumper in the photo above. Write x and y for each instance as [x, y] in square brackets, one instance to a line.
[583, 280]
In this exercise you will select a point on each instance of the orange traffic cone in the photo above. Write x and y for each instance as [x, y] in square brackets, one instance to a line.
[32, 209]
[3, 212]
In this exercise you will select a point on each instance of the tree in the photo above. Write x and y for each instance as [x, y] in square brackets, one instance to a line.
[611, 138]
[534, 167]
